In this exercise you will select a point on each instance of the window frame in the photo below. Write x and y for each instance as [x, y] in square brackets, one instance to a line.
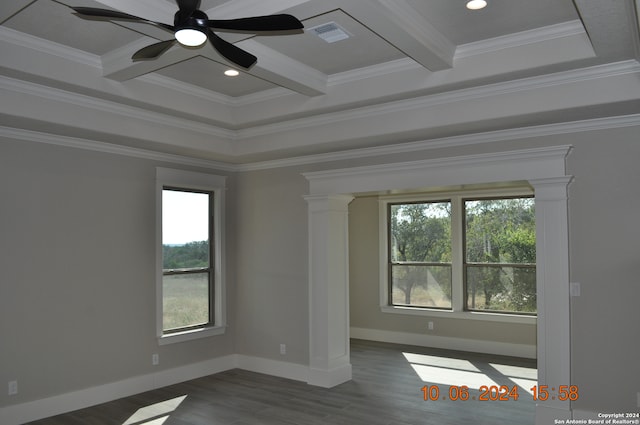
[210, 270]
[172, 179]
[466, 265]
[458, 295]
[391, 263]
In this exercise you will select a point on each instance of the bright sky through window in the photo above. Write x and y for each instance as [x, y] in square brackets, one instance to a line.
[184, 217]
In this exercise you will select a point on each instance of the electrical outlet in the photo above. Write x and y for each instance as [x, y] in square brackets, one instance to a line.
[574, 289]
[13, 387]
[430, 326]
[155, 359]
[283, 349]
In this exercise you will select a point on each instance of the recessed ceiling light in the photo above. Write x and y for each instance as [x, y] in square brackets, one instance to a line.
[476, 4]
[231, 73]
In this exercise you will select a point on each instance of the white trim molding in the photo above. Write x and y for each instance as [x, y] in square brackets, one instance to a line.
[542, 168]
[43, 408]
[217, 185]
[56, 405]
[328, 290]
[449, 343]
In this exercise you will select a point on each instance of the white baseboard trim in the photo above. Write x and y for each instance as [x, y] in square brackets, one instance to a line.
[55, 405]
[434, 341]
[277, 368]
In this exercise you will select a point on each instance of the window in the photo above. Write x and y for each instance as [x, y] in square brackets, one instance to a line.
[420, 254]
[500, 255]
[190, 252]
[187, 266]
[463, 254]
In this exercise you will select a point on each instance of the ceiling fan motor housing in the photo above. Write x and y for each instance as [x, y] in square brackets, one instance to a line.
[192, 30]
[197, 21]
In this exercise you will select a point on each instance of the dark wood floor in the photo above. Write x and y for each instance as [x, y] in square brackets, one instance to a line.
[386, 390]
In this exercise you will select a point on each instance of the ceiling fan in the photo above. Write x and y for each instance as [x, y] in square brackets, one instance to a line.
[192, 27]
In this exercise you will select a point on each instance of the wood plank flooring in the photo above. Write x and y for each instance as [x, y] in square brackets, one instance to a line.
[385, 390]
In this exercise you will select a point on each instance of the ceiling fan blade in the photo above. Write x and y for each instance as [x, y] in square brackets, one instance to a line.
[153, 51]
[114, 14]
[231, 52]
[281, 22]
[187, 7]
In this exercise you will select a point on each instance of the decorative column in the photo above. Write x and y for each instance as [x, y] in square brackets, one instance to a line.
[552, 274]
[329, 363]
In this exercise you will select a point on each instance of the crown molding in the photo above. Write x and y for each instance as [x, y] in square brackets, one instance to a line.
[335, 80]
[565, 77]
[187, 89]
[378, 70]
[410, 147]
[538, 35]
[110, 148]
[464, 140]
[462, 95]
[102, 105]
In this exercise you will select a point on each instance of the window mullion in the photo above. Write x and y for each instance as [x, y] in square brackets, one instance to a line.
[457, 254]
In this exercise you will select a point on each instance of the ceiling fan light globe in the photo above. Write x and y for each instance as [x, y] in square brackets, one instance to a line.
[190, 37]
[476, 4]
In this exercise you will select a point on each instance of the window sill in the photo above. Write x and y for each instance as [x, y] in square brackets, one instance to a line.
[467, 315]
[191, 335]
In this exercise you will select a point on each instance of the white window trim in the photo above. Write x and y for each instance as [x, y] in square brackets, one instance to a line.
[457, 293]
[216, 185]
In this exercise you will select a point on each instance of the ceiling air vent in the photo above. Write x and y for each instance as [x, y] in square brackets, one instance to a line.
[329, 32]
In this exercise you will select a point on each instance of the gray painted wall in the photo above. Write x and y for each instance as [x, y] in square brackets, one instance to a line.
[77, 292]
[271, 266]
[604, 259]
[77, 287]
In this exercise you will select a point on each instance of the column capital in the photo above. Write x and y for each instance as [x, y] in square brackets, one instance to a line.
[552, 188]
[329, 202]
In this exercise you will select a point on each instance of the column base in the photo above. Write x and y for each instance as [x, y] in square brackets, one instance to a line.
[328, 378]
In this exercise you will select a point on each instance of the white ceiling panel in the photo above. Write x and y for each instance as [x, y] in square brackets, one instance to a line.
[209, 75]
[499, 18]
[55, 22]
[362, 48]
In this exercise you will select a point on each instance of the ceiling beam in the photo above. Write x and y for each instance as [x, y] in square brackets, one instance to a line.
[118, 65]
[403, 27]
[153, 10]
[284, 71]
[611, 26]
[273, 66]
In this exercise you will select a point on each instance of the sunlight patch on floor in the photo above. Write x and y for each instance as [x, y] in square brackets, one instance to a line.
[452, 377]
[445, 362]
[524, 377]
[525, 384]
[155, 414]
[459, 372]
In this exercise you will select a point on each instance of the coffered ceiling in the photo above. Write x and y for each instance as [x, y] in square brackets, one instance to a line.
[409, 72]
